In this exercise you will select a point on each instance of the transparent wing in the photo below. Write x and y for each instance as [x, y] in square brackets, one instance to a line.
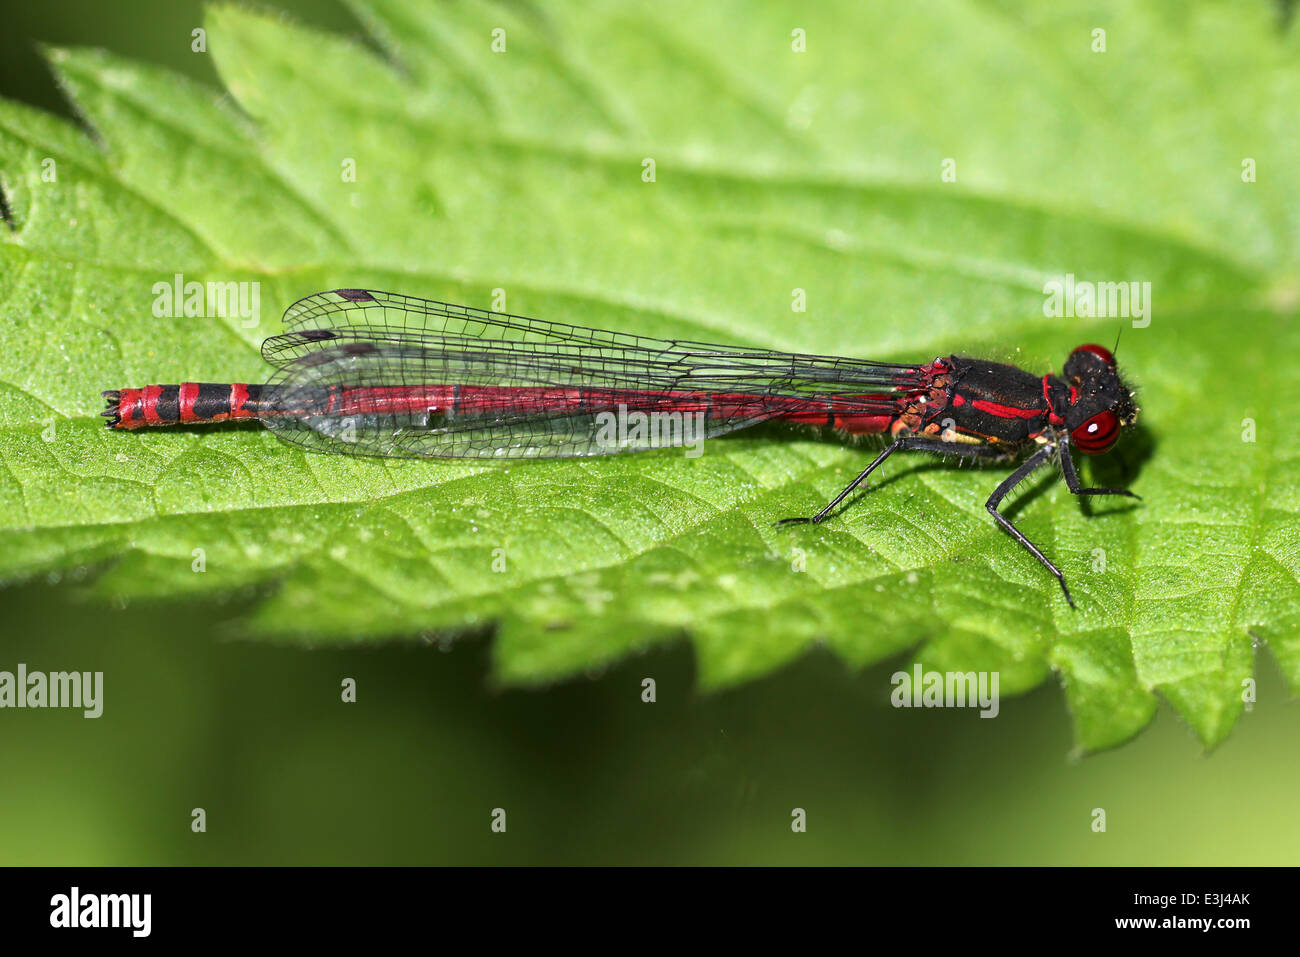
[371, 373]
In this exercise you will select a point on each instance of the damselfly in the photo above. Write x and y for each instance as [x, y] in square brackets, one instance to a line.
[364, 372]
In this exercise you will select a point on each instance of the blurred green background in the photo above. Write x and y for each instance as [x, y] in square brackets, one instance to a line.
[586, 772]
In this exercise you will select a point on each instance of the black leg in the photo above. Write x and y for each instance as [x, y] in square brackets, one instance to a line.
[893, 447]
[907, 443]
[1039, 458]
[1072, 477]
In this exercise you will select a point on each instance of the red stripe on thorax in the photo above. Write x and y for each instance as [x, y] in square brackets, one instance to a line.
[1005, 411]
[1052, 417]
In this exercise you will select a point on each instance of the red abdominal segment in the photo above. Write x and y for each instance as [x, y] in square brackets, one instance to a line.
[198, 403]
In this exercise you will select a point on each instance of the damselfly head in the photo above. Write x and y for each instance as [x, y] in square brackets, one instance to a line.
[1100, 403]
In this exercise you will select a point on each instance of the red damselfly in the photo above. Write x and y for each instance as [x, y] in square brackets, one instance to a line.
[364, 372]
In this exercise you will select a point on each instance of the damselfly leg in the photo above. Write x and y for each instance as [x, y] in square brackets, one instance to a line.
[907, 443]
[1072, 477]
[1027, 467]
[1030, 465]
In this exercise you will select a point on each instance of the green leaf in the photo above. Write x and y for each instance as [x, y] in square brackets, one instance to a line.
[775, 171]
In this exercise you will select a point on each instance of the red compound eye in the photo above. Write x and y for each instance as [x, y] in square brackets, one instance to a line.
[1101, 352]
[1097, 434]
